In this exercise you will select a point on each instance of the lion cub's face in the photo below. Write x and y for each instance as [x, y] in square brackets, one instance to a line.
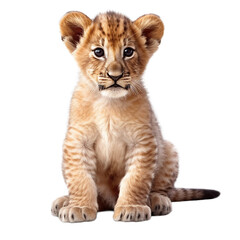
[111, 50]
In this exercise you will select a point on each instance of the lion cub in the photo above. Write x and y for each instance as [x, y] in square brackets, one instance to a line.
[114, 153]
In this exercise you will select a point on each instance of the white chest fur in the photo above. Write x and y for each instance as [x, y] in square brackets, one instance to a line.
[110, 146]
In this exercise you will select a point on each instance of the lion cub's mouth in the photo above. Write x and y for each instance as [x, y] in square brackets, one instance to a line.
[113, 86]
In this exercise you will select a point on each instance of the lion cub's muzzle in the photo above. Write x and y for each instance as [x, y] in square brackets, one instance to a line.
[115, 77]
[110, 81]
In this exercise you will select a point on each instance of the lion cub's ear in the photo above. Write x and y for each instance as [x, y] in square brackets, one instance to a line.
[72, 26]
[152, 29]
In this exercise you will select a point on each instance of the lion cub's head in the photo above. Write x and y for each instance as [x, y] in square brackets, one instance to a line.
[111, 50]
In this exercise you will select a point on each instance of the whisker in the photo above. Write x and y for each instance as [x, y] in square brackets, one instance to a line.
[137, 88]
[133, 90]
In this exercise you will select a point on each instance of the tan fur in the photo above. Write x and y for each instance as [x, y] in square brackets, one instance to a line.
[114, 153]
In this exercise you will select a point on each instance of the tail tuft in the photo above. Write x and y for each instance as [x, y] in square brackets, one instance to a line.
[210, 194]
[183, 194]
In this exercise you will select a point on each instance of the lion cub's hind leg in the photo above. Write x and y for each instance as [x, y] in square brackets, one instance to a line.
[164, 180]
[160, 204]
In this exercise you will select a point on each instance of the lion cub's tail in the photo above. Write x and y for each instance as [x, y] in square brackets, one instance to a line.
[184, 194]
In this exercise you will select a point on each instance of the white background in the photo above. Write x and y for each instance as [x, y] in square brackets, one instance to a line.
[193, 83]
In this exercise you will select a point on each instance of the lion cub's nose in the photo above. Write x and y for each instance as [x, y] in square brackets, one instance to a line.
[115, 78]
[115, 71]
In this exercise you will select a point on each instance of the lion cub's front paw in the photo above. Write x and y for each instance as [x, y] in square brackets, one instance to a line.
[58, 204]
[132, 213]
[77, 214]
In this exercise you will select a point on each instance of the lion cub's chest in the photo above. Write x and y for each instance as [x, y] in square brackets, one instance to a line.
[110, 146]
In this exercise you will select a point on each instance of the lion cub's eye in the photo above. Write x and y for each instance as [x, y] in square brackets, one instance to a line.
[128, 52]
[98, 52]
